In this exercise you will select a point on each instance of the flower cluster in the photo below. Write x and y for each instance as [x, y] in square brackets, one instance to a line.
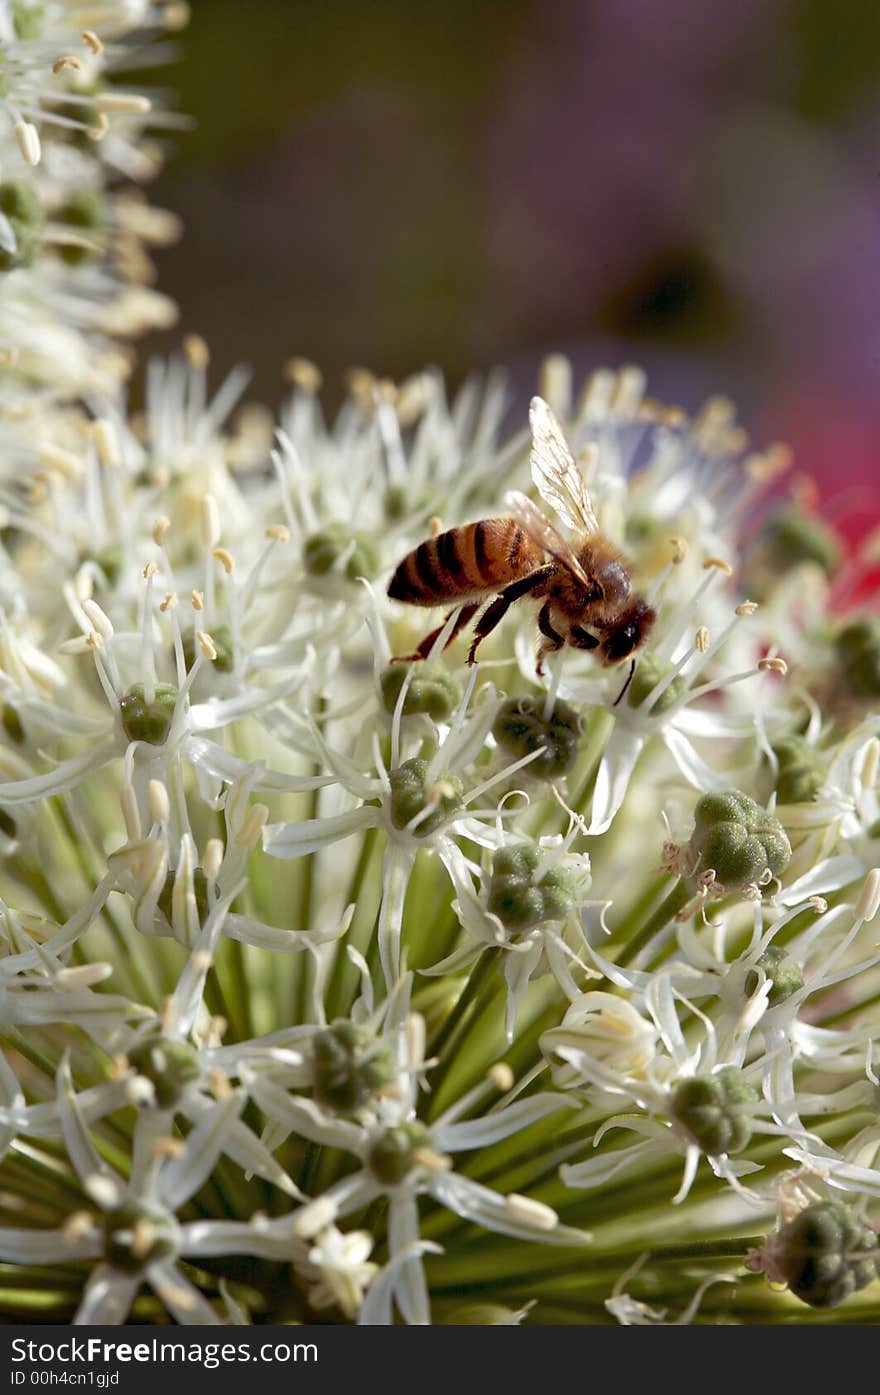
[327, 982]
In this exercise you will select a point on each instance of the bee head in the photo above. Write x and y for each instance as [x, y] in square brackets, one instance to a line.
[629, 634]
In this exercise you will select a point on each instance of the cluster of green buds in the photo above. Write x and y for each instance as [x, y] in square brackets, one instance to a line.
[148, 720]
[519, 897]
[737, 840]
[800, 773]
[715, 1111]
[796, 535]
[522, 727]
[169, 1064]
[824, 1254]
[350, 1066]
[412, 798]
[858, 651]
[648, 674]
[335, 548]
[430, 690]
[23, 212]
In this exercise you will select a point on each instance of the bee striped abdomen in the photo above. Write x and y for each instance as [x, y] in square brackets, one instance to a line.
[466, 561]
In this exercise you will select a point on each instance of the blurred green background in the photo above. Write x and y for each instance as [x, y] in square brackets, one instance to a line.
[691, 184]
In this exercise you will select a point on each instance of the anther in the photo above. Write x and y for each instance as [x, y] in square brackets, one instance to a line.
[206, 644]
[772, 664]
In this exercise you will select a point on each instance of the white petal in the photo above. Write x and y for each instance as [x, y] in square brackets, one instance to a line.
[612, 779]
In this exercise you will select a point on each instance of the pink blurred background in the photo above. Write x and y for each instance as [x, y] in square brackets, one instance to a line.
[688, 184]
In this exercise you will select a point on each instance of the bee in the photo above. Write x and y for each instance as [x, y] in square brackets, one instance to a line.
[585, 588]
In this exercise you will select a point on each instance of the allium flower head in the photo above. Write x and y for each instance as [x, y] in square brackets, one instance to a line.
[412, 988]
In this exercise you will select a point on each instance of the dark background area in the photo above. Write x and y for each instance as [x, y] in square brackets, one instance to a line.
[690, 184]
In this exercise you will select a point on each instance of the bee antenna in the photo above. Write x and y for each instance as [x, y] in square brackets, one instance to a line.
[619, 698]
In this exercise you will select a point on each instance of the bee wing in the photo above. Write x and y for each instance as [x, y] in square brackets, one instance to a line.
[541, 530]
[555, 471]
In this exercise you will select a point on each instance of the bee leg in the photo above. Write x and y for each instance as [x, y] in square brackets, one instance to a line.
[551, 641]
[581, 638]
[500, 606]
[632, 669]
[465, 614]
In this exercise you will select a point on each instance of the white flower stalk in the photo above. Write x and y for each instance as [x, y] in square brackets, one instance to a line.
[354, 969]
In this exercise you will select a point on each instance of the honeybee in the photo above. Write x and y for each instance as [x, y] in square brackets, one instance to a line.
[585, 589]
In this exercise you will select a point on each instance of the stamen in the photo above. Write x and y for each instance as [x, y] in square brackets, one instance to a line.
[501, 1076]
[530, 1212]
[869, 899]
[772, 664]
[212, 858]
[302, 373]
[160, 805]
[28, 142]
[126, 103]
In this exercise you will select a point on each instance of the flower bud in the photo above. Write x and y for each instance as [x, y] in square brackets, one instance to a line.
[784, 973]
[409, 797]
[87, 210]
[647, 675]
[516, 899]
[21, 206]
[738, 839]
[135, 1236]
[714, 1110]
[322, 551]
[350, 1065]
[432, 690]
[825, 1253]
[796, 537]
[858, 649]
[12, 724]
[169, 1064]
[520, 727]
[391, 1156]
[165, 902]
[148, 721]
[800, 775]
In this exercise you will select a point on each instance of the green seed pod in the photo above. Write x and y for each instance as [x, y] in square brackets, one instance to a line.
[25, 213]
[148, 721]
[517, 900]
[784, 973]
[111, 561]
[520, 728]
[86, 209]
[12, 724]
[647, 675]
[858, 648]
[714, 1110]
[124, 1230]
[409, 796]
[27, 21]
[171, 1065]
[323, 550]
[432, 690]
[391, 1156]
[350, 1065]
[165, 902]
[800, 777]
[825, 1253]
[796, 537]
[222, 637]
[738, 839]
